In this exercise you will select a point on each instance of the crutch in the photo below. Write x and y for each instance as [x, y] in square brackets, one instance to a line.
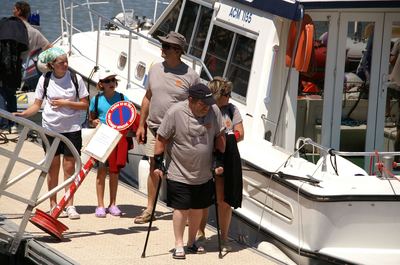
[151, 218]
[216, 214]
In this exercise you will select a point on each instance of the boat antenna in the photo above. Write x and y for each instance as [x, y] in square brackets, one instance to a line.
[155, 10]
[289, 72]
[90, 14]
[123, 11]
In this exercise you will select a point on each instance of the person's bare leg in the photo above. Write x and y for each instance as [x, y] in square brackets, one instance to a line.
[52, 179]
[113, 188]
[224, 209]
[203, 223]
[194, 223]
[69, 168]
[100, 185]
[152, 182]
[179, 218]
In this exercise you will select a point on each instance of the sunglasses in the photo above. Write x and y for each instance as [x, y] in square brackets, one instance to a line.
[226, 94]
[107, 81]
[166, 46]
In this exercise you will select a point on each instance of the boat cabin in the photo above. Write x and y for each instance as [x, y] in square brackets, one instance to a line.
[345, 97]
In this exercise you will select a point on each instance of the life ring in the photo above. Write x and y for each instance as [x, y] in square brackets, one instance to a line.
[305, 45]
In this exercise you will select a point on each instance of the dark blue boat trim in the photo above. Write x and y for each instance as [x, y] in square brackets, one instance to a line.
[290, 9]
[348, 4]
[280, 8]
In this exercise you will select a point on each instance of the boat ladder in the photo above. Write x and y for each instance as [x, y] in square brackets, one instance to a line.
[10, 240]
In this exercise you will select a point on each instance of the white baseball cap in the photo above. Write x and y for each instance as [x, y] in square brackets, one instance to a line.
[104, 73]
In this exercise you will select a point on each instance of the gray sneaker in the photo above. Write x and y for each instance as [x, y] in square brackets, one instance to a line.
[226, 246]
[72, 213]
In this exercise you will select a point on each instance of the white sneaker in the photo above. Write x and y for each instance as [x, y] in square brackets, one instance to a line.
[72, 213]
[14, 129]
[63, 213]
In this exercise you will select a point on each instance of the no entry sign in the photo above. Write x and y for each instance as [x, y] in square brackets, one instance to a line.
[121, 115]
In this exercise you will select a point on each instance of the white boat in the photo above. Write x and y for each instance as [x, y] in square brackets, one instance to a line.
[334, 198]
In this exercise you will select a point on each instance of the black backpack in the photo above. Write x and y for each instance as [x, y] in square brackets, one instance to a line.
[47, 80]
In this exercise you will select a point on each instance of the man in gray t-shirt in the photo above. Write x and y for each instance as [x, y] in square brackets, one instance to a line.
[168, 83]
[37, 41]
[189, 133]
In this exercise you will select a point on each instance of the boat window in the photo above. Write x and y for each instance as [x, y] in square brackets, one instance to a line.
[239, 68]
[122, 60]
[194, 26]
[311, 87]
[188, 20]
[218, 51]
[169, 22]
[230, 55]
[355, 101]
[392, 110]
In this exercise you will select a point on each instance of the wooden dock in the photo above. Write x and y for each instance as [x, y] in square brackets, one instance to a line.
[110, 240]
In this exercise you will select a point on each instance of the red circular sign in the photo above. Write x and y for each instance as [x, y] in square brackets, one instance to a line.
[121, 115]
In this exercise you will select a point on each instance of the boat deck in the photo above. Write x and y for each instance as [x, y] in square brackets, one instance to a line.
[110, 240]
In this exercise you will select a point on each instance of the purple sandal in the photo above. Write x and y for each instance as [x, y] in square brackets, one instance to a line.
[114, 210]
[100, 212]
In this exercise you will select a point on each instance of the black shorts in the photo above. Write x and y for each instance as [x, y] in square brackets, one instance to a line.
[183, 196]
[74, 137]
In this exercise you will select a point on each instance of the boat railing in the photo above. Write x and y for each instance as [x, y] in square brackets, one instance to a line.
[132, 33]
[17, 157]
[387, 157]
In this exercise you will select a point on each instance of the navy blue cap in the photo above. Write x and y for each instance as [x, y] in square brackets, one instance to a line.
[201, 91]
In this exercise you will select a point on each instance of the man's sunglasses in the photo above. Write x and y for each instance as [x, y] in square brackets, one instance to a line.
[106, 81]
[166, 46]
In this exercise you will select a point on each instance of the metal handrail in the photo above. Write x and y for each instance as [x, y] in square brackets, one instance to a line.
[308, 141]
[195, 60]
[43, 166]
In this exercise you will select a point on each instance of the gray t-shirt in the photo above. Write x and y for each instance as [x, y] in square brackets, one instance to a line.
[228, 111]
[191, 142]
[168, 86]
[36, 40]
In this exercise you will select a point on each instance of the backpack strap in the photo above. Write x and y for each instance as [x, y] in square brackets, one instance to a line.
[96, 105]
[46, 84]
[47, 80]
[75, 82]
[96, 102]
[231, 111]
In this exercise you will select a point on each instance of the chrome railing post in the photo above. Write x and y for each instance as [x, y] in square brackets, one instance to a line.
[71, 27]
[61, 2]
[155, 10]
[90, 15]
[98, 41]
[324, 154]
[128, 84]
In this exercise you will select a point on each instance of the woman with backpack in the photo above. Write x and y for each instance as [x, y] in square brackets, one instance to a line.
[229, 185]
[65, 96]
[99, 106]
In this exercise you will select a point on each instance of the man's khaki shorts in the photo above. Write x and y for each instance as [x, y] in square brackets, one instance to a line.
[150, 143]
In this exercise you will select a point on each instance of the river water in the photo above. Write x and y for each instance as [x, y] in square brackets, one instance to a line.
[49, 11]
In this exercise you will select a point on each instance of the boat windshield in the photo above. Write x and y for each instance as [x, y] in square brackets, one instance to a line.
[227, 53]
